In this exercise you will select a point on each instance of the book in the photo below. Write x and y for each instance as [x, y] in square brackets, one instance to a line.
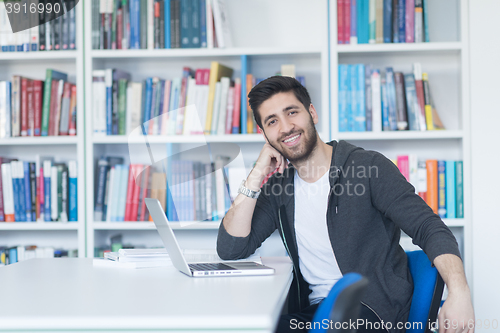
[459, 183]
[410, 21]
[432, 185]
[442, 189]
[217, 71]
[51, 77]
[450, 189]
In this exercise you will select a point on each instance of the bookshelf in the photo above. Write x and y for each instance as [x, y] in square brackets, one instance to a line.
[446, 59]
[266, 48]
[70, 235]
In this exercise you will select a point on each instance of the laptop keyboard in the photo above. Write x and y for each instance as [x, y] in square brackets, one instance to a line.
[210, 267]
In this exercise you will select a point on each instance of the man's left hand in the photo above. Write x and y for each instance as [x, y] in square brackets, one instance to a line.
[457, 314]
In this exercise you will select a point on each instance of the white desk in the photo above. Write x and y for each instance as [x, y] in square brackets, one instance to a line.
[71, 294]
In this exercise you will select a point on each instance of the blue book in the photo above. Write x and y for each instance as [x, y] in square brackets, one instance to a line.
[387, 21]
[12, 255]
[162, 102]
[194, 28]
[354, 23]
[148, 101]
[385, 106]
[113, 200]
[73, 192]
[16, 191]
[426, 21]
[352, 97]
[135, 24]
[167, 23]
[442, 189]
[391, 99]
[450, 190]
[362, 21]
[402, 21]
[102, 172]
[459, 185]
[360, 115]
[186, 22]
[27, 192]
[368, 97]
[203, 23]
[411, 102]
[47, 166]
[342, 98]
[244, 101]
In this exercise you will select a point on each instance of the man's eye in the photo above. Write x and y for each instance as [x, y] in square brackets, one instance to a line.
[271, 122]
[292, 112]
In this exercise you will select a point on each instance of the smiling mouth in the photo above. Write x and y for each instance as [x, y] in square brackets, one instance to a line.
[293, 140]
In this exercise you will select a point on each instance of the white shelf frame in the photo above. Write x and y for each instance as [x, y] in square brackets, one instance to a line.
[187, 225]
[155, 139]
[51, 59]
[458, 49]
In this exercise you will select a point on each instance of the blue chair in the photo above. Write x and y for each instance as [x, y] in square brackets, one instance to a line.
[427, 292]
[341, 305]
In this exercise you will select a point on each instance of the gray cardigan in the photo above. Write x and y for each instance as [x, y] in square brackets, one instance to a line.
[370, 202]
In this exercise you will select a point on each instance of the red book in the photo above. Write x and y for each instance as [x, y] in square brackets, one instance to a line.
[37, 106]
[340, 21]
[136, 192]
[404, 166]
[53, 107]
[347, 21]
[130, 191]
[119, 28]
[24, 106]
[31, 108]
[237, 106]
[144, 190]
[72, 111]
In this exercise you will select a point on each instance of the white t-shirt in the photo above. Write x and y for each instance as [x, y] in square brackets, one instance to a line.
[316, 258]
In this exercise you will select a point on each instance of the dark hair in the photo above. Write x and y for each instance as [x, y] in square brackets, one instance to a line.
[272, 86]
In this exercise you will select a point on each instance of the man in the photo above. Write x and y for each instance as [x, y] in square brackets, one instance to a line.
[338, 209]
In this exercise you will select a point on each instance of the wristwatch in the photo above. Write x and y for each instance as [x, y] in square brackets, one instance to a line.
[248, 192]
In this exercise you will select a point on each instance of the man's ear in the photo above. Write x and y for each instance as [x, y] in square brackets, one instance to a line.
[314, 114]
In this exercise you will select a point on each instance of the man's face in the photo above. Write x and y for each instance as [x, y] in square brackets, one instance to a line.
[289, 126]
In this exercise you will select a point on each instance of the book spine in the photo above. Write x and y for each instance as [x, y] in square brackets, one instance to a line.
[8, 192]
[411, 102]
[410, 21]
[24, 106]
[401, 116]
[362, 21]
[130, 192]
[237, 107]
[166, 27]
[442, 189]
[203, 22]
[46, 102]
[244, 99]
[419, 22]
[347, 21]
[2, 212]
[230, 110]
[33, 189]
[65, 31]
[195, 24]
[47, 189]
[372, 21]
[162, 24]
[54, 204]
[419, 88]
[368, 97]
[387, 21]
[57, 41]
[422, 180]
[30, 107]
[248, 108]
[360, 118]
[41, 27]
[122, 105]
[432, 184]
[103, 169]
[65, 109]
[426, 21]
[156, 24]
[379, 21]
[72, 111]
[395, 30]
[427, 103]
[402, 21]
[119, 28]
[135, 24]
[136, 192]
[354, 23]
[64, 194]
[72, 26]
[450, 190]
[340, 22]
[385, 106]
[391, 99]
[459, 183]
[41, 192]
[27, 192]
[376, 101]
[185, 22]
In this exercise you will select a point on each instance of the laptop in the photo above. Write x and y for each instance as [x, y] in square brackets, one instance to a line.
[203, 269]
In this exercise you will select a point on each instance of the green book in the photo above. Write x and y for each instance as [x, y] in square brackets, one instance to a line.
[113, 24]
[459, 183]
[49, 76]
[122, 106]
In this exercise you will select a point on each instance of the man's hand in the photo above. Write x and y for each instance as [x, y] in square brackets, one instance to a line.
[457, 314]
[269, 160]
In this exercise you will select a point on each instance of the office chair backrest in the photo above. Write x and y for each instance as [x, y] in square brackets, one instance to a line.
[427, 293]
[341, 305]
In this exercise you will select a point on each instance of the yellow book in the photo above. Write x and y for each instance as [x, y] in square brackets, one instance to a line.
[427, 98]
[217, 71]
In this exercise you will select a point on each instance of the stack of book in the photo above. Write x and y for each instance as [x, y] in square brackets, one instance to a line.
[31, 107]
[392, 101]
[160, 24]
[439, 183]
[41, 191]
[382, 21]
[51, 30]
[13, 254]
[197, 191]
[203, 101]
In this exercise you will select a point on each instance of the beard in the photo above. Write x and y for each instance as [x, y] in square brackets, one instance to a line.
[301, 152]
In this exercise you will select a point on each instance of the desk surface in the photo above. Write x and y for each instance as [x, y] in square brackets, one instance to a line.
[71, 294]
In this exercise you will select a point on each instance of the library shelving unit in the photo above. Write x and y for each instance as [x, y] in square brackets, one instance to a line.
[266, 49]
[67, 235]
[446, 59]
